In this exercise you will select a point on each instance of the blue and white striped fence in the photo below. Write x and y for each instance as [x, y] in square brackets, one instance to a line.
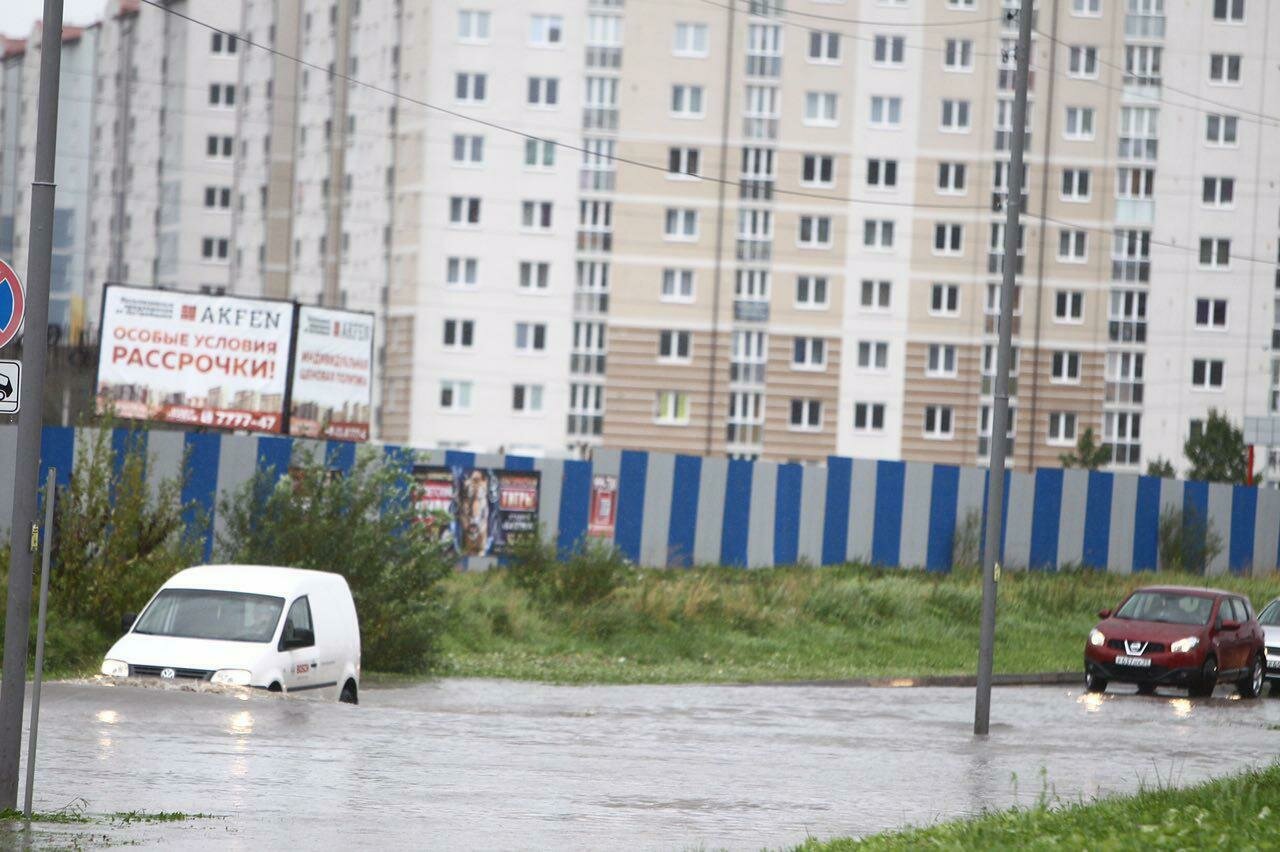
[676, 510]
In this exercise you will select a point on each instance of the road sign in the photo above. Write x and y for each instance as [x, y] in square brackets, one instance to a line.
[1262, 431]
[10, 382]
[12, 304]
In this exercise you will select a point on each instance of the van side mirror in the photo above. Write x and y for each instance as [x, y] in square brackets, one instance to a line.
[1104, 613]
[298, 638]
[127, 620]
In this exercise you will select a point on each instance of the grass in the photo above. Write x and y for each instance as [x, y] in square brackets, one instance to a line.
[1237, 812]
[726, 625]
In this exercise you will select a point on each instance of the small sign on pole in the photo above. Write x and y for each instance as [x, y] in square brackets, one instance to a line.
[10, 386]
[13, 306]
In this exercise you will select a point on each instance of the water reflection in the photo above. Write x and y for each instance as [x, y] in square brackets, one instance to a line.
[108, 717]
[1181, 707]
[241, 724]
[1092, 701]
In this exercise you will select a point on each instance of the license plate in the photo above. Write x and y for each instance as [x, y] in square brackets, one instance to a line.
[1136, 662]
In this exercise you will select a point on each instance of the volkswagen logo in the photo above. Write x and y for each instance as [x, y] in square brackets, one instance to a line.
[1133, 649]
[167, 674]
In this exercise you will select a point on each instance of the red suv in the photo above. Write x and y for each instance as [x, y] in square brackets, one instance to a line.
[1175, 636]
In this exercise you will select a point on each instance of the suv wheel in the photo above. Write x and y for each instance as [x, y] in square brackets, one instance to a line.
[1208, 678]
[1251, 686]
[1093, 683]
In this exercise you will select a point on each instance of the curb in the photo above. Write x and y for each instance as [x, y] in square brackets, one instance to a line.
[1030, 679]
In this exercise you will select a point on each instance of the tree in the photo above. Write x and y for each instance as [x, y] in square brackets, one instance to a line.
[1161, 467]
[1217, 452]
[1089, 454]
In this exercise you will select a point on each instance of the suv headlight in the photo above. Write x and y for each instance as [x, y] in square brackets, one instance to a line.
[1096, 637]
[231, 677]
[115, 668]
[1182, 646]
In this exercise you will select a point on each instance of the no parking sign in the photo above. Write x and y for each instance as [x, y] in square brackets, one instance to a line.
[12, 303]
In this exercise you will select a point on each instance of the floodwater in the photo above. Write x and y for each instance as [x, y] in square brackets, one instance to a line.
[476, 764]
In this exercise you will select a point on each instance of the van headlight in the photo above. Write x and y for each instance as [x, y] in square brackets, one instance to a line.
[231, 677]
[1096, 638]
[1182, 646]
[115, 668]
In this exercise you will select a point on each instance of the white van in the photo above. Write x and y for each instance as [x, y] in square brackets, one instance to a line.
[280, 629]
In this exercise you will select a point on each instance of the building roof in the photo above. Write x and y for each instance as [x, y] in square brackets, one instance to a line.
[13, 47]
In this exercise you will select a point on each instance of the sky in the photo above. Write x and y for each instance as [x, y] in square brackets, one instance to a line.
[18, 16]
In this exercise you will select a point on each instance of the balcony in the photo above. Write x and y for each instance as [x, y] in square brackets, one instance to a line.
[585, 424]
[1144, 26]
[754, 249]
[1138, 148]
[991, 325]
[591, 303]
[609, 58]
[586, 364]
[989, 385]
[746, 373]
[766, 65]
[755, 190]
[998, 197]
[1004, 139]
[751, 434]
[1130, 270]
[599, 241]
[600, 118]
[760, 127]
[1123, 393]
[1127, 331]
[598, 180]
[750, 310]
[995, 263]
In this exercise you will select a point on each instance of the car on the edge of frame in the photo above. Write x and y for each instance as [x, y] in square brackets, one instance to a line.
[1177, 636]
[1269, 618]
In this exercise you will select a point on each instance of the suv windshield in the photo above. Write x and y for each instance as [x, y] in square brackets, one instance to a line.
[1171, 607]
[207, 614]
[1271, 615]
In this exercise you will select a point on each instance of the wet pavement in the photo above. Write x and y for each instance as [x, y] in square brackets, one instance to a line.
[475, 764]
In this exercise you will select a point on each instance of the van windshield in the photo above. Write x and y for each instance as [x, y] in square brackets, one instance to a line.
[208, 614]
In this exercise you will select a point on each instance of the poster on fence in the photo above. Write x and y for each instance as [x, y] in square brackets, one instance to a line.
[332, 394]
[487, 509]
[193, 359]
[604, 506]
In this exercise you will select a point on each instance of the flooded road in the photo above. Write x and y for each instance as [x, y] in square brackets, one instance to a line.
[508, 765]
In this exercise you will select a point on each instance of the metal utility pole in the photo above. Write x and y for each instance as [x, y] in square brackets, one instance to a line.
[1000, 416]
[24, 529]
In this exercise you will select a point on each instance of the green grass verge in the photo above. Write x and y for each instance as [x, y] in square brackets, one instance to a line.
[720, 625]
[1238, 812]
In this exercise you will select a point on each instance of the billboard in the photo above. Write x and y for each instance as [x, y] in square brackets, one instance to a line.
[332, 391]
[603, 519]
[194, 359]
[488, 509]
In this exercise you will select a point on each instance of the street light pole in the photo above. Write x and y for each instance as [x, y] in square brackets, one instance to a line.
[23, 530]
[1000, 416]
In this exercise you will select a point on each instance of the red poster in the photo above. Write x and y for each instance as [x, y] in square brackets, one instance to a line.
[604, 506]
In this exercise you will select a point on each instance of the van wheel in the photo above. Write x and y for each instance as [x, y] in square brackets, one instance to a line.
[349, 695]
[1251, 686]
[1208, 679]
[275, 687]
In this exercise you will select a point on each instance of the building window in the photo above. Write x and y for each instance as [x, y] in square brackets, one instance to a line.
[886, 112]
[1075, 185]
[543, 91]
[686, 101]
[942, 361]
[877, 234]
[944, 300]
[469, 88]
[1068, 306]
[464, 210]
[811, 292]
[216, 197]
[214, 248]
[1211, 314]
[1224, 68]
[824, 47]
[1073, 246]
[535, 215]
[875, 295]
[1135, 184]
[691, 40]
[938, 423]
[677, 285]
[1082, 62]
[534, 275]
[1228, 11]
[682, 162]
[455, 396]
[468, 150]
[806, 415]
[675, 346]
[958, 55]
[820, 108]
[951, 178]
[1215, 253]
[539, 153]
[1086, 8]
[1219, 192]
[1062, 428]
[1206, 373]
[219, 147]
[459, 334]
[473, 26]
[223, 44]
[815, 232]
[818, 170]
[526, 398]
[1220, 130]
[671, 408]
[222, 94]
[1066, 368]
[1079, 126]
[962, 5]
[868, 416]
[809, 353]
[1122, 431]
[546, 30]
[461, 272]
[948, 239]
[1142, 64]
[531, 337]
[681, 225]
[889, 50]
[955, 116]
[882, 173]
[873, 355]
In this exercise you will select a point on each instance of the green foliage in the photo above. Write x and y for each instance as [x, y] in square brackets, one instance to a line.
[1161, 467]
[1217, 453]
[1089, 453]
[1187, 540]
[1238, 812]
[592, 572]
[363, 526]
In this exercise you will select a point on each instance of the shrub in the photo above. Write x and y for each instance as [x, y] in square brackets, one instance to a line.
[361, 525]
[593, 571]
[1187, 540]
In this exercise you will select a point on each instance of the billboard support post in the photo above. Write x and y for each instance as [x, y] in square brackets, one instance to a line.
[288, 375]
